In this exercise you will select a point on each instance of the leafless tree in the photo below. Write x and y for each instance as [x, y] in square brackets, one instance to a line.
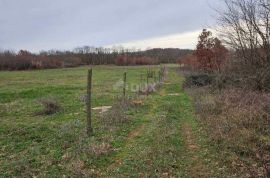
[245, 27]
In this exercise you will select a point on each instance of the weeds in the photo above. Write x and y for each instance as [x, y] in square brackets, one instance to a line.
[116, 115]
[50, 106]
[238, 120]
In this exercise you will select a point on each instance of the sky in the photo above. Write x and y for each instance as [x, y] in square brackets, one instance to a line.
[37, 25]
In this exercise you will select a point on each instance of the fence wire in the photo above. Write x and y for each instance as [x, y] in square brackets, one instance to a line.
[136, 83]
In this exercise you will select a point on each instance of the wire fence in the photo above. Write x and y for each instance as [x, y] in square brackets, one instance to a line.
[123, 87]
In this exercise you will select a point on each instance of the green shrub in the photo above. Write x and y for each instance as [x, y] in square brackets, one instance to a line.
[198, 80]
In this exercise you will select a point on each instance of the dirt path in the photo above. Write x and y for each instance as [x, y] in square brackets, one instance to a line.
[165, 145]
[189, 137]
[197, 167]
[130, 139]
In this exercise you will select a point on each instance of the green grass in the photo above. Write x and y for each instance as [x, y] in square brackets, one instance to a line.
[31, 144]
[151, 144]
[160, 150]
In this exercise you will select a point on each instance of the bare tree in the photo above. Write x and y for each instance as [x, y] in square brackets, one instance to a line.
[245, 27]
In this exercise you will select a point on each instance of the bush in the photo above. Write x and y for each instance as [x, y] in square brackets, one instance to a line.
[198, 80]
[50, 106]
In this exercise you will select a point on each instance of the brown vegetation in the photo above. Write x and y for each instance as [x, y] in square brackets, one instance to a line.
[238, 121]
[24, 60]
[116, 115]
[210, 54]
[122, 60]
[50, 106]
[245, 29]
[188, 62]
[231, 88]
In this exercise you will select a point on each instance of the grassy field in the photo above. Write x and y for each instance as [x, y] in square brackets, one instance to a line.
[159, 138]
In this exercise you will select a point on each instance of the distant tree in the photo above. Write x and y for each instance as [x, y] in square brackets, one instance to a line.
[24, 53]
[88, 55]
[188, 62]
[210, 52]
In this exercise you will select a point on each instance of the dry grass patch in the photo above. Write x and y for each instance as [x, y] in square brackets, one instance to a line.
[116, 115]
[240, 121]
[50, 106]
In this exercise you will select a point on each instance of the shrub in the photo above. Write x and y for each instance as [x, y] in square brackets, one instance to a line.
[198, 80]
[236, 74]
[50, 106]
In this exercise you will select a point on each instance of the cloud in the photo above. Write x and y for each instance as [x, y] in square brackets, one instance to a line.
[185, 40]
[60, 24]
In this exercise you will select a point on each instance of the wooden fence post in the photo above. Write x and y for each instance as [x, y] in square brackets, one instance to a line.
[147, 84]
[162, 73]
[124, 87]
[88, 103]
[141, 83]
[159, 76]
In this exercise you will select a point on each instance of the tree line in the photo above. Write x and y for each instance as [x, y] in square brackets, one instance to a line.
[25, 60]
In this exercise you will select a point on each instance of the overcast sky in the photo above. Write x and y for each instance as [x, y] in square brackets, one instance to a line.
[64, 24]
